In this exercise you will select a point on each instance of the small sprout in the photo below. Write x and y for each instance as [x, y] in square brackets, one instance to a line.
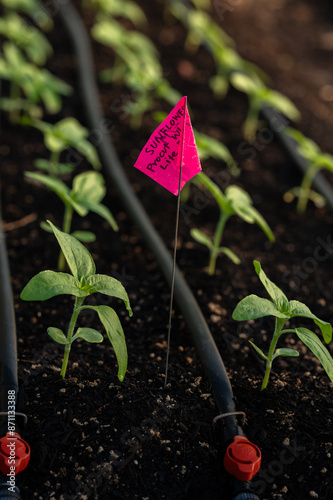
[81, 283]
[253, 307]
[32, 8]
[87, 192]
[67, 134]
[317, 160]
[136, 66]
[29, 85]
[204, 31]
[125, 10]
[26, 37]
[261, 96]
[235, 201]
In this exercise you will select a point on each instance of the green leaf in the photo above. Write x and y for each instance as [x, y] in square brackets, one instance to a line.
[85, 236]
[103, 212]
[258, 219]
[313, 343]
[49, 166]
[57, 335]
[56, 185]
[243, 83]
[258, 351]
[242, 205]
[201, 237]
[281, 103]
[230, 254]
[298, 309]
[202, 179]
[278, 297]
[88, 186]
[285, 351]
[100, 283]
[47, 284]
[88, 334]
[253, 307]
[116, 336]
[77, 256]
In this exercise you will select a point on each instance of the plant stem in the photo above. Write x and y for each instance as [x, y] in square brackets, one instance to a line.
[305, 188]
[76, 311]
[66, 229]
[217, 241]
[279, 322]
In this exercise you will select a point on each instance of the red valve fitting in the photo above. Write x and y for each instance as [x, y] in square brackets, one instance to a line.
[242, 459]
[14, 453]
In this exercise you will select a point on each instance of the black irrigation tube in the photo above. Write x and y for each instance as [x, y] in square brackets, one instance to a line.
[203, 339]
[9, 399]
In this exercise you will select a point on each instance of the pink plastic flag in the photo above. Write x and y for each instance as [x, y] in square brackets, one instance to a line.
[170, 147]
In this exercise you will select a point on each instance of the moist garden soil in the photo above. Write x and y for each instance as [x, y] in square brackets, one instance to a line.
[94, 437]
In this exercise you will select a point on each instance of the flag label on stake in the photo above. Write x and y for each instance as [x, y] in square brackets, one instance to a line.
[170, 147]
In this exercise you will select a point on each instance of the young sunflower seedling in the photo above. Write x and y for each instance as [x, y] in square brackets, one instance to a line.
[88, 190]
[235, 201]
[317, 161]
[136, 66]
[261, 96]
[253, 307]
[32, 8]
[30, 85]
[82, 283]
[66, 135]
[30, 39]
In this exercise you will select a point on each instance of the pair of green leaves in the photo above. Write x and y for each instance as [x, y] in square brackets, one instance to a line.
[37, 84]
[235, 201]
[117, 8]
[66, 133]
[81, 283]
[253, 307]
[88, 189]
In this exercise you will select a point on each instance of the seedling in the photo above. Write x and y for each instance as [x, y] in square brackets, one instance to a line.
[82, 283]
[261, 96]
[317, 161]
[204, 31]
[136, 66]
[88, 189]
[36, 84]
[235, 201]
[67, 134]
[253, 307]
[34, 9]
[26, 37]
[125, 10]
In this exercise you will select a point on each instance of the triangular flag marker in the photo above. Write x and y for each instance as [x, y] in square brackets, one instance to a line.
[171, 158]
[163, 154]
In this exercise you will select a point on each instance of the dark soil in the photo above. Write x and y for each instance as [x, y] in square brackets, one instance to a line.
[94, 437]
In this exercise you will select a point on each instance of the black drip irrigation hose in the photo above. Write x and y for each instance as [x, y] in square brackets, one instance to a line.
[8, 362]
[8, 353]
[209, 355]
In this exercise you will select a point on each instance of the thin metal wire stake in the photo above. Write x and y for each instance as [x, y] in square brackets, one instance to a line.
[175, 248]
